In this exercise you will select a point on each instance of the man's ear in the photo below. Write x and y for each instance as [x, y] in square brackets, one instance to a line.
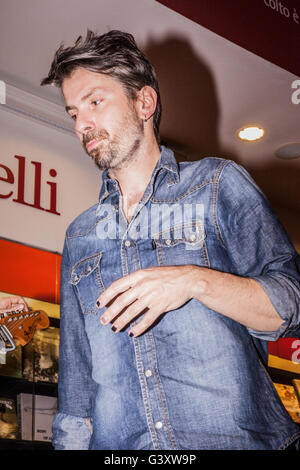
[146, 102]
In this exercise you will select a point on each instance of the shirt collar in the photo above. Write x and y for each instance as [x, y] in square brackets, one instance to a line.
[167, 161]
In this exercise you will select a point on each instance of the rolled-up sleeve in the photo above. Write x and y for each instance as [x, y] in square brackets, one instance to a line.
[259, 247]
[71, 432]
[76, 388]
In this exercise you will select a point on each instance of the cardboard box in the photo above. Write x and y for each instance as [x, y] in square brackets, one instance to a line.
[36, 414]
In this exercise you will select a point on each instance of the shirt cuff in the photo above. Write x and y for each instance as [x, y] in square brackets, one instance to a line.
[284, 296]
[71, 432]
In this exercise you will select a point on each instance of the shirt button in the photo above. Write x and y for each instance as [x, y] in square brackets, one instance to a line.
[158, 425]
[192, 237]
[168, 242]
[148, 373]
[127, 243]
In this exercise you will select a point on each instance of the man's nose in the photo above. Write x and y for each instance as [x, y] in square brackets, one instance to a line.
[84, 124]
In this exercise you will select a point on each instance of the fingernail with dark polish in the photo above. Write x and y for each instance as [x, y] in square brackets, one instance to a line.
[98, 303]
[113, 328]
[131, 335]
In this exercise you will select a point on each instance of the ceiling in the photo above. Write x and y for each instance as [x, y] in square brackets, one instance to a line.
[210, 87]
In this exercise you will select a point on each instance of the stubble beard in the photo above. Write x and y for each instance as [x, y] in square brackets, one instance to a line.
[116, 152]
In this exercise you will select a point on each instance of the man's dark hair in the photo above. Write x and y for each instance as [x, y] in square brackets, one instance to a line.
[115, 54]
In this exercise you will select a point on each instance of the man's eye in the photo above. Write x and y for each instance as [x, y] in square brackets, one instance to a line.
[74, 117]
[96, 102]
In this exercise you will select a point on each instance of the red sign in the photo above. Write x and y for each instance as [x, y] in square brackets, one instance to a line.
[286, 348]
[9, 178]
[29, 271]
[268, 28]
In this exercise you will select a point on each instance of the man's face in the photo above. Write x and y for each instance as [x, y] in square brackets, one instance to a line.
[106, 120]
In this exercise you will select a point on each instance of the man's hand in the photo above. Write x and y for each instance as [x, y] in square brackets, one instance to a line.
[155, 291]
[151, 291]
[8, 304]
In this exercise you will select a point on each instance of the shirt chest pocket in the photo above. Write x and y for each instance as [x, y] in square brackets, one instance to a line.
[86, 278]
[184, 244]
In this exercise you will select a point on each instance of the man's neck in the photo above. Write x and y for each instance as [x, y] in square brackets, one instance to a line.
[134, 177]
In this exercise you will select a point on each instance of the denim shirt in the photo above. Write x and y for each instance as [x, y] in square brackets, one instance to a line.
[196, 379]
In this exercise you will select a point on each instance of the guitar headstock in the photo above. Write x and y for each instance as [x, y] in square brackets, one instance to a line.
[22, 324]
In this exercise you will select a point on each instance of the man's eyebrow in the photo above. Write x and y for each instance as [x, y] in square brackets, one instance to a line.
[85, 97]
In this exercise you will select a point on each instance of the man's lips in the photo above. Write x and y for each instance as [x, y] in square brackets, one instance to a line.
[91, 144]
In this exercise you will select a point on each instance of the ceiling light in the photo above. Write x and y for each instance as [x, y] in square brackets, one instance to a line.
[251, 133]
[288, 151]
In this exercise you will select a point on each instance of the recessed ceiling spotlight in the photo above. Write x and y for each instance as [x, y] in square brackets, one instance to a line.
[288, 151]
[251, 133]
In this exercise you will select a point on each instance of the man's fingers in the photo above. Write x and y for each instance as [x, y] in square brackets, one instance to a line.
[13, 303]
[130, 314]
[116, 288]
[120, 303]
[151, 291]
[145, 323]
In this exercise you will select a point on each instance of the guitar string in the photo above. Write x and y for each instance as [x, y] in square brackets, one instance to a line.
[14, 326]
[31, 316]
[17, 323]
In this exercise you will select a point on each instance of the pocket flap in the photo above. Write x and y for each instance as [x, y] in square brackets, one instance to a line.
[84, 268]
[191, 234]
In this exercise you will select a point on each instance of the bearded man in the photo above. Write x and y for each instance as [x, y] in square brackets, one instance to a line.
[172, 283]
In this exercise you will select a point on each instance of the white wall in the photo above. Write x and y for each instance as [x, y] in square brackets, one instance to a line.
[78, 181]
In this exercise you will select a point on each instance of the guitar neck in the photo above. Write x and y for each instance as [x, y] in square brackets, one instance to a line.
[22, 324]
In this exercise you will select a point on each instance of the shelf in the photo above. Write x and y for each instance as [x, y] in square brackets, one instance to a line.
[282, 376]
[17, 444]
[11, 386]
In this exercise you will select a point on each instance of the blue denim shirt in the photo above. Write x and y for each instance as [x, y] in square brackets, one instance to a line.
[196, 379]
